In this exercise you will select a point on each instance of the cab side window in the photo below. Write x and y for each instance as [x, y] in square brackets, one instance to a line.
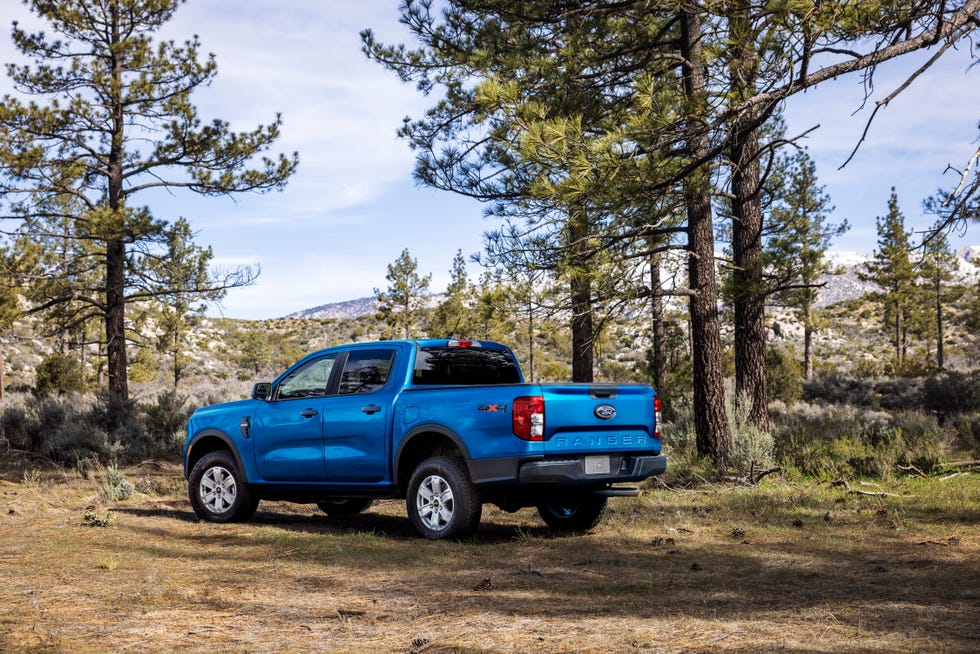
[366, 371]
[309, 381]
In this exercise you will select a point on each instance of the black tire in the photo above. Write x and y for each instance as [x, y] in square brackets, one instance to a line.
[442, 501]
[345, 506]
[574, 514]
[218, 490]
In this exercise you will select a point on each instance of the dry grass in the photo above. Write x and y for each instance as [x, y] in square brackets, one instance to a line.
[781, 568]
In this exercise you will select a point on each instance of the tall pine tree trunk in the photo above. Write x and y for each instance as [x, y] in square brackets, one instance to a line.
[115, 259]
[807, 341]
[115, 319]
[749, 305]
[749, 302]
[580, 283]
[710, 421]
[657, 318]
[940, 360]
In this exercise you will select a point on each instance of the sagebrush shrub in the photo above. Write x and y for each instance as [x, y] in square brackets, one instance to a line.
[952, 393]
[165, 422]
[843, 441]
[752, 448]
[116, 486]
[19, 424]
[966, 430]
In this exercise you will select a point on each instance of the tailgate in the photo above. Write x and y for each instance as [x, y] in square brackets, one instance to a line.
[596, 418]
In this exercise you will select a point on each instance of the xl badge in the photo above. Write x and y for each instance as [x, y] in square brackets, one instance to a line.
[605, 412]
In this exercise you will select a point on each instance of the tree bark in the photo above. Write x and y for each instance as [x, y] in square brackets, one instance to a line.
[657, 319]
[710, 421]
[750, 300]
[115, 293]
[807, 341]
[580, 283]
[940, 359]
[115, 319]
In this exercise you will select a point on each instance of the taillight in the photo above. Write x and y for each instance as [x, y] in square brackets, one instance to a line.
[657, 416]
[528, 418]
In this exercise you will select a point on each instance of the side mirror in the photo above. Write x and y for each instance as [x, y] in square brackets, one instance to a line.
[262, 391]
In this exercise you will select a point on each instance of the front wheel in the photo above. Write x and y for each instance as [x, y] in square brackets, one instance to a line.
[218, 491]
[442, 501]
[573, 514]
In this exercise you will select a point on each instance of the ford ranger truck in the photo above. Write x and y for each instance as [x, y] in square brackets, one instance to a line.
[448, 425]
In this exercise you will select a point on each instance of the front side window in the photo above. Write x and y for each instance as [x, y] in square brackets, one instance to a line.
[366, 371]
[309, 381]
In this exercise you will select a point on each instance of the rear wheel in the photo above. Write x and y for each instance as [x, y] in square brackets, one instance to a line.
[218, 490]
[576, 514]
[442, 501]
[345, 506]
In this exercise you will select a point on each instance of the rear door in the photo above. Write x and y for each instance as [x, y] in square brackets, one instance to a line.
[356, 418]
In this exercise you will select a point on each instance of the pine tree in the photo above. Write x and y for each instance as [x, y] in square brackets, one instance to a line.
[119, 122]
[795, 252]
[182, 279]
[575, 118]
[402, 305]
[892, 271]
[9, 309]
[936, 271]
[494, 318]
[454, 315]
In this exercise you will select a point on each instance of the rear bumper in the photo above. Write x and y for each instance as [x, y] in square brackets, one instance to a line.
[566, 471]
[572, 471]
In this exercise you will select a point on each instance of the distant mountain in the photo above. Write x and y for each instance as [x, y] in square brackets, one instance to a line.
[363, 306]
[846, 286]
[342, 310]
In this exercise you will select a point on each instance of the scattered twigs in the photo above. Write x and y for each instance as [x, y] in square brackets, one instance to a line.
[946, 471]
[765, 473]
[912, 468]
[754, 476]
[852, 491]
[961, 464]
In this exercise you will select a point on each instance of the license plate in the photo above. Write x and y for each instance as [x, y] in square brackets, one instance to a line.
[597, 465]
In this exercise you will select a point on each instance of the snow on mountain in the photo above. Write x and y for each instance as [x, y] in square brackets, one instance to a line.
[849, 285]
[347, 309]
[837, 288]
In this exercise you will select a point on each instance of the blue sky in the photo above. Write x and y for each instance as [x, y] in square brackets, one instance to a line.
[353, 205]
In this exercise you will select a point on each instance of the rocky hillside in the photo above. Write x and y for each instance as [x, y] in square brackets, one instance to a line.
[837, 288]
[223, 356]
[849, 286]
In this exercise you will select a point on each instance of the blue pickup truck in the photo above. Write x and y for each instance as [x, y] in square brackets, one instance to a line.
[446, 424]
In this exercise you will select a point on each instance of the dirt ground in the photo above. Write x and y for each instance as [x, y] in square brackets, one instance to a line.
[802, 567]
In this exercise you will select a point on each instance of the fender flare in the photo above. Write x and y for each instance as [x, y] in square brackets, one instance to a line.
[418, 430]
[221, 436]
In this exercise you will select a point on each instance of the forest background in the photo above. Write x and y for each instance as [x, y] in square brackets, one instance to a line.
[655, 222]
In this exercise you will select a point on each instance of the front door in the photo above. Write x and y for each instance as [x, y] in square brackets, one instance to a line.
[288, 430]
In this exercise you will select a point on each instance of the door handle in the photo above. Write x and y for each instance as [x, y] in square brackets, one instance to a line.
[370, 408]
[308, 413]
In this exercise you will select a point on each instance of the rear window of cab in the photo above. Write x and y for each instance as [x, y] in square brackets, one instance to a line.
[471, 366]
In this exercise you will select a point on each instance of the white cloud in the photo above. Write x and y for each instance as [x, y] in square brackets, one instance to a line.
[352, 206]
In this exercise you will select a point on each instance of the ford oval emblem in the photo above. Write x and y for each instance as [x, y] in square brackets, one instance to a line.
[605, 412]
